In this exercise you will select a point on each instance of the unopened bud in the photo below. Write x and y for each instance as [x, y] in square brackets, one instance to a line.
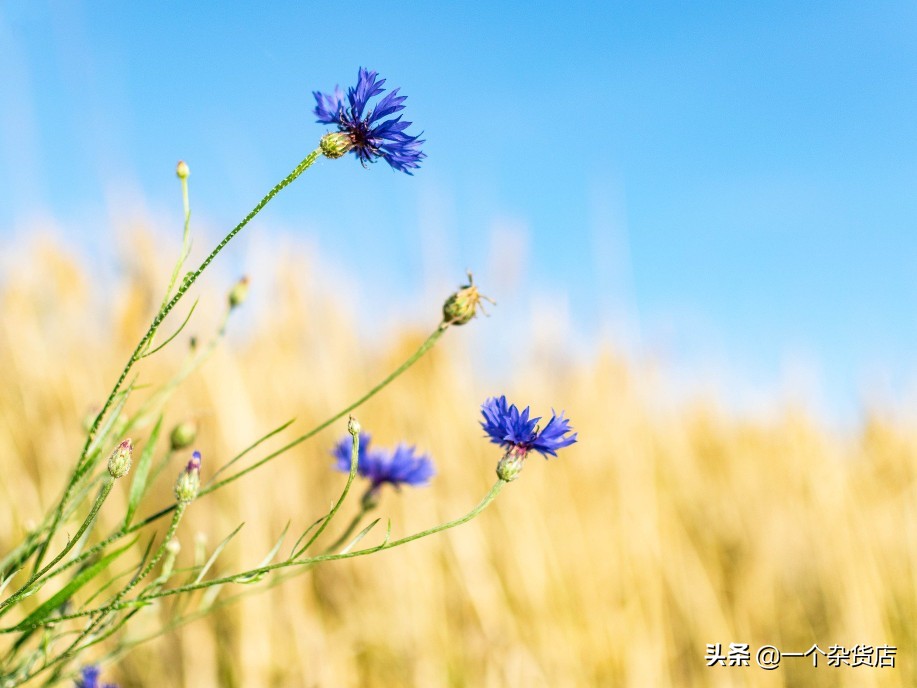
[509, 467]
[119, 463]
[353, 426]
[335, 144]
[463, 305]
[183, 435]
[181, 169]
[189, 480]
[238, 293]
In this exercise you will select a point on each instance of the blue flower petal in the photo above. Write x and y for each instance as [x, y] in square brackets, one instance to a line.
[372, 136]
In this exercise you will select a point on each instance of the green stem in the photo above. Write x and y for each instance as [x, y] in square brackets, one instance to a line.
[185, 241]
[427, 344]
[308, 563]
[160, 316]
[87, 523]
[430, 341]
[116, 603]
[352, 526]
[354, 460]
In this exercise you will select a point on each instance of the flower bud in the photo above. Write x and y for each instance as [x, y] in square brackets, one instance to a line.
[353, 426]
[335, 144]
[510, 466]
[238, 293]
[119, 463]
[463, 305]
[183, 435]
[181, 169]
[189, 480]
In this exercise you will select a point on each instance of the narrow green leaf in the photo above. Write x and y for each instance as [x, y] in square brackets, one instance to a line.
[216, 553]
[174, 334]
[362, 534]
[94, 448]
[139, 483]
[249, 448]
[65, 593]
[267, 559]
[6, 581]
[296, 551]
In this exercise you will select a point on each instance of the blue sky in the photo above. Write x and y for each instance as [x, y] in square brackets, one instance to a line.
[731, 186]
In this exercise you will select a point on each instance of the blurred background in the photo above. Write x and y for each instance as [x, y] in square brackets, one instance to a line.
[698, 225]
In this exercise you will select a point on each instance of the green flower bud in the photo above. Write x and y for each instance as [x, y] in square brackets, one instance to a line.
[189, 480]
[238, 293]
[183, 435]
[182, 170]
[353, 426]
[463, 305]
[119, 463]
[510, 466]
[335, 144]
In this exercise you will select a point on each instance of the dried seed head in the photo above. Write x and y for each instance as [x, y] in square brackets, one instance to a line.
[463, 305]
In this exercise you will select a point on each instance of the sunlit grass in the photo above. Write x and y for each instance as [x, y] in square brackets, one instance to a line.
[615, 564]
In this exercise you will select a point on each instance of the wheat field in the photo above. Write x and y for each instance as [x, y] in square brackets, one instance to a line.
[667, 527]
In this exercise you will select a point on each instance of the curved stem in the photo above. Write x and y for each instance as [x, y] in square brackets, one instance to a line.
[116, 603]
[87, 523]
[428, 343]
[160, 316]
[426, 346]
[311, 561]
[354, 457]
[352, 526]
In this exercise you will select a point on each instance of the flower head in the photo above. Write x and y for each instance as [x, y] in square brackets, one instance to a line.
[515, 430]
[368, 135]
[89, 678]
[403, 466]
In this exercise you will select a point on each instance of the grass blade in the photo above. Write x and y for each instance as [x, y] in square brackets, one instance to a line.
[47, 608]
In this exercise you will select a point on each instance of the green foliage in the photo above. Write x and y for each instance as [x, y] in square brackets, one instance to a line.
[51, 636]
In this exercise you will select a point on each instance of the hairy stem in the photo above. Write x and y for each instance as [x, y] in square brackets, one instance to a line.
[157, 320]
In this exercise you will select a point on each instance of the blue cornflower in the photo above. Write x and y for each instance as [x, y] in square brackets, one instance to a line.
[403, 466]
[89, 678]
[509, 428]
[368, 135]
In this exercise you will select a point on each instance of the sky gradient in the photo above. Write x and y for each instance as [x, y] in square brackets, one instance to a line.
[729, 186]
